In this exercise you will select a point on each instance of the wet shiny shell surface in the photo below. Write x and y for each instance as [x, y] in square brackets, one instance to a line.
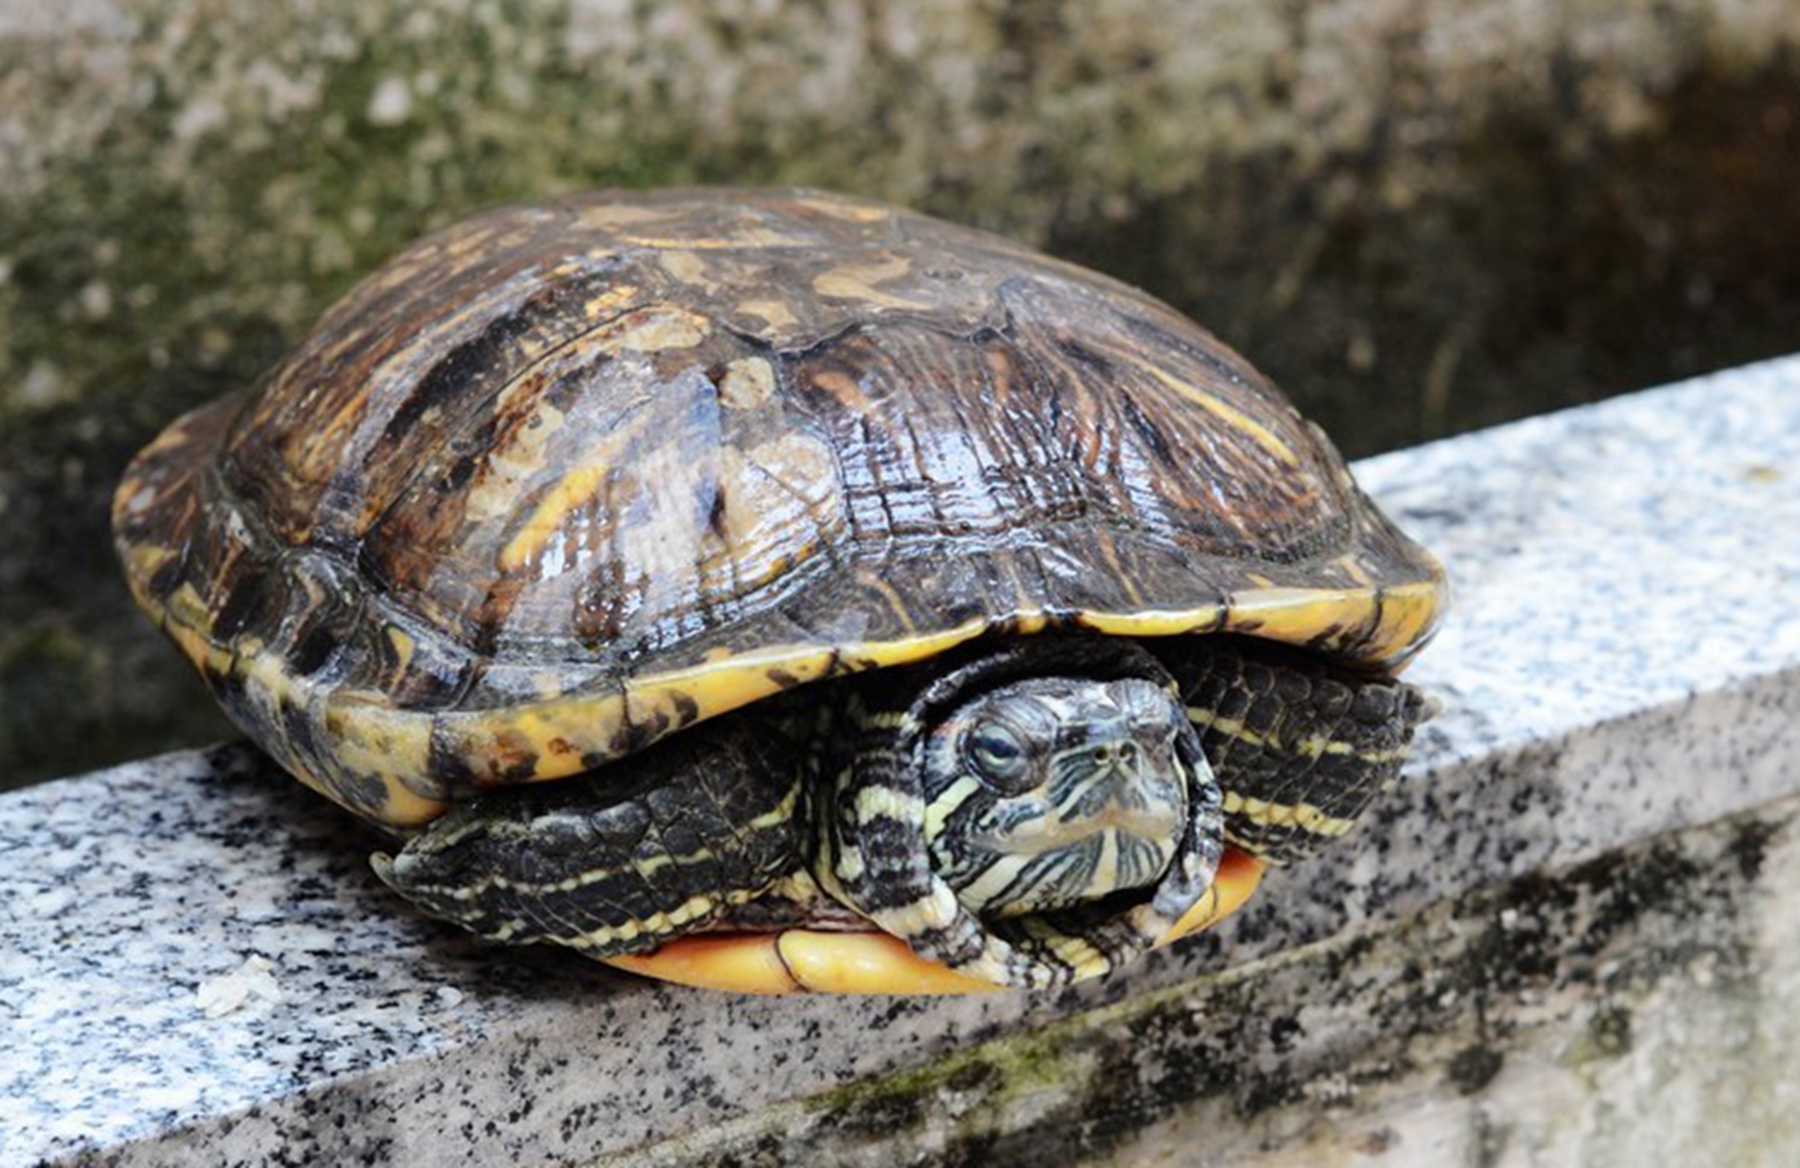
[565, 478]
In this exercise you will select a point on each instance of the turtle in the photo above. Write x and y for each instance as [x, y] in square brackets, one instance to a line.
[774, 589]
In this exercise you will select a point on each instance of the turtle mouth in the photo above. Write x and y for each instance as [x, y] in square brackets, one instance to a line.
[1049, 833]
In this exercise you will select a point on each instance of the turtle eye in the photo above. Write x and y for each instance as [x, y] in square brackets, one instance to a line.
[998, 754]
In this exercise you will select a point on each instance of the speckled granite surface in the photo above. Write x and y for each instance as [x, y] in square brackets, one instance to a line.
[1624, 660]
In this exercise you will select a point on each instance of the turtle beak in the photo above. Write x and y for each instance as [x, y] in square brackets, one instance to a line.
[1127, 778]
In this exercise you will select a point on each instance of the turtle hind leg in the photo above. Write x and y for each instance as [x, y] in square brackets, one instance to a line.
[1300, 747]
[621, 859]
[797, 902]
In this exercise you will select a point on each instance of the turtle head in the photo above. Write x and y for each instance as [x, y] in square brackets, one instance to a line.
[1049, 792]
[1029, 813]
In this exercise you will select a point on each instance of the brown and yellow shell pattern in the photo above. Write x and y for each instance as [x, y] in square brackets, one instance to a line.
[566, 478]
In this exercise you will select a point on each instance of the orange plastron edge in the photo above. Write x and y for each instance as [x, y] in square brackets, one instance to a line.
[807, 961]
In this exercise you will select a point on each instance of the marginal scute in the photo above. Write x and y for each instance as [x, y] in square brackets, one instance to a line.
[563, 479]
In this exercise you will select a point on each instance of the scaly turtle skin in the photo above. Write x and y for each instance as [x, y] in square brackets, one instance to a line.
[817, 546]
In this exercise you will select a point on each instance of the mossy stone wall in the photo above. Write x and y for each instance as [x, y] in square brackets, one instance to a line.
[1418, 218]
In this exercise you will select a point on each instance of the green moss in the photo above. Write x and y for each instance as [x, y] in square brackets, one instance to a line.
[64, 697]
[999, 1072]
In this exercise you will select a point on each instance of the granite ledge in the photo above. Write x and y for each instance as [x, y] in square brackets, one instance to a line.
[1623, 661]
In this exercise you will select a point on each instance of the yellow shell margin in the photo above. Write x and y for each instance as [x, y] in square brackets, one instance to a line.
[555, 737]
[1379, 627]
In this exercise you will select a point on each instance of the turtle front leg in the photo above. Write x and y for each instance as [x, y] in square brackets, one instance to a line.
[1300, 747]
[622, 859]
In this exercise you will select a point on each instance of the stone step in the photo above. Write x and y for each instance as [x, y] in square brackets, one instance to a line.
[196, 964]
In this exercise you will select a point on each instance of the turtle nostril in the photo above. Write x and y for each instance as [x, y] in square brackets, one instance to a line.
[1119, 752]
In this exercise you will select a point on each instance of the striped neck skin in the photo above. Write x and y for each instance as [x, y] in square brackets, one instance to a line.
[1051, 792]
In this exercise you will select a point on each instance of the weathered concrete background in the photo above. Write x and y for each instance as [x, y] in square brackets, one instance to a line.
[1414, 223]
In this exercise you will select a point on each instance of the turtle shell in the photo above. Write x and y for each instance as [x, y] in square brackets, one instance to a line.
[565, 478]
